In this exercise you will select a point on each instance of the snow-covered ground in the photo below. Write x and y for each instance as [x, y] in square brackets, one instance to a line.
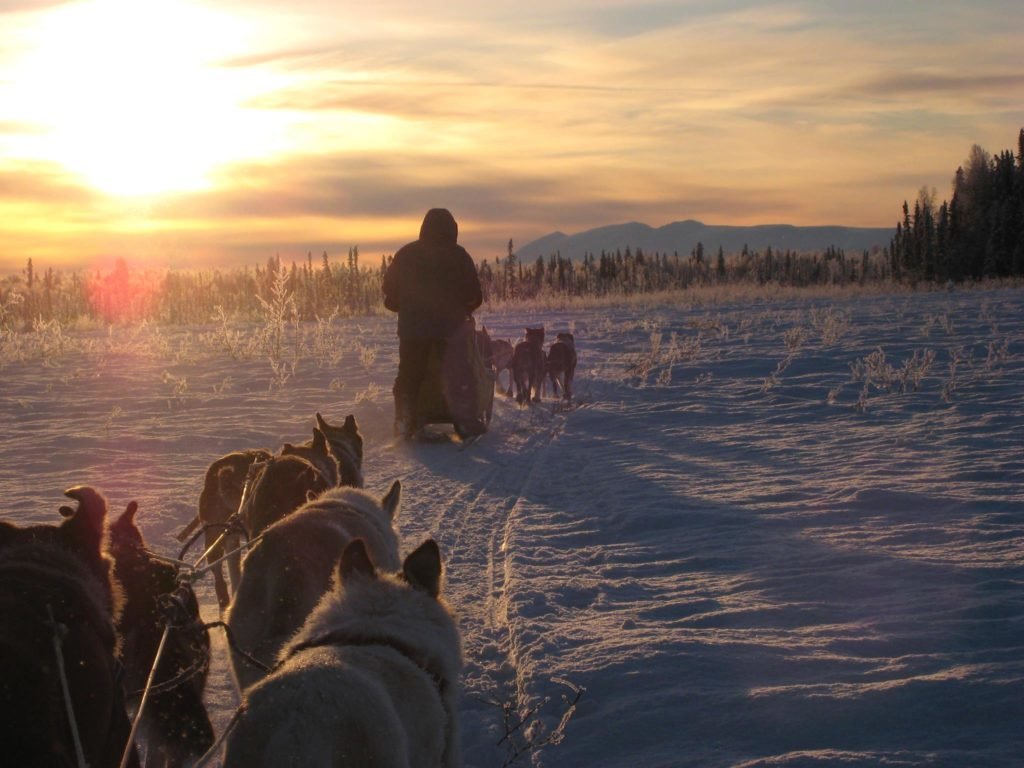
[771, 532]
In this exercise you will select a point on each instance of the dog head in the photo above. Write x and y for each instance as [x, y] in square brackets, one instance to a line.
[566, 338]
[421, 569]
[343, 438]
[535, 335]
[80, 535]
[317, 452]
[81, 532]
[277, 487]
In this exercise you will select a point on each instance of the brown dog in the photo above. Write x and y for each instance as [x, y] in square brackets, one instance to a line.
[561, 364]
[346, 445]
[528, 365]
[218, 501]
[275, 488]
[501, 358]
[317, 453]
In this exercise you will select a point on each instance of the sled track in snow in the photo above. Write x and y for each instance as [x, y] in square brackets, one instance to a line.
[467, 500]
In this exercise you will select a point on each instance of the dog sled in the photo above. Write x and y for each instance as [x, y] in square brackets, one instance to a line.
[459, 386]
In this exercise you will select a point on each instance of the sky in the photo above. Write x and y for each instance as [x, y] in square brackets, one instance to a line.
[207, 133]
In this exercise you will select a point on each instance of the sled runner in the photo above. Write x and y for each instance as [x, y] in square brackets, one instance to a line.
[459, 387]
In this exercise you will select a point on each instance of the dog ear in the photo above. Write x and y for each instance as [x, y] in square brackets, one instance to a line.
[350, 424]
[319, 441]
[355, 560]
[130, 510]
[392, 499]
[422, 568]
[84, 528]
[124, 530]
[324, 426]
[127, 518]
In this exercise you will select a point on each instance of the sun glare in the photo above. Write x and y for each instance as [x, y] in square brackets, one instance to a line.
[128, 99]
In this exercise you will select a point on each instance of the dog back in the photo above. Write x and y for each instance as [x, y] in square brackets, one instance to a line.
[370, 679]
[290, 569]
[501, 354]
[528, 365]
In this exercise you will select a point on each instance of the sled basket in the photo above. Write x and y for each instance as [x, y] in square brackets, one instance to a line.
[459, 386]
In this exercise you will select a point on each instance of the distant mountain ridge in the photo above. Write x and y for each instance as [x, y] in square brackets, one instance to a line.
[683, 236]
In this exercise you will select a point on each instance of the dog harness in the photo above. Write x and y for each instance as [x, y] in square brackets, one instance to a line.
[342, 638]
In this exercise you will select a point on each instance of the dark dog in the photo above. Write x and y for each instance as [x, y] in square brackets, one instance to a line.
[317, 452]
[275, 488]
[528, 366]
[174, 726]
[60, 604]
[561, 364]
[346, 445]
[501, 359]
[218, 501]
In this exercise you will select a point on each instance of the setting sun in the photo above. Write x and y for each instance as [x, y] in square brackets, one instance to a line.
[127, 101]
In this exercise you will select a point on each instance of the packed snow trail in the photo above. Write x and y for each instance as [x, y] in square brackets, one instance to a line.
[465, 500]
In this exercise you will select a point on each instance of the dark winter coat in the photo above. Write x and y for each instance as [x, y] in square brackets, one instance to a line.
[432, 282]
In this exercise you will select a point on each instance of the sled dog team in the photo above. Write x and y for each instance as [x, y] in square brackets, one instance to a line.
[345, 652]
[529, 366]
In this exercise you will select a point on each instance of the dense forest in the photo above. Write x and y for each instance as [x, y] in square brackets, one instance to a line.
[977, 234]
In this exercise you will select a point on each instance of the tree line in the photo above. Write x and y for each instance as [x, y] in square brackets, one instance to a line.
[978, 233]
[320, 288]
[315, 289]
[632, 271]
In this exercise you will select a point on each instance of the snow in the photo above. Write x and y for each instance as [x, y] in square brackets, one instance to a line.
[729, 552]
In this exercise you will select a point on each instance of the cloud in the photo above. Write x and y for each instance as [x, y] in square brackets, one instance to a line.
[378, 202]
[287, 57]
[42, 183]
[922, 84]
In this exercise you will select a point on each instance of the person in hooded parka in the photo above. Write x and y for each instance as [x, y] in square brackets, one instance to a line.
[432, 284]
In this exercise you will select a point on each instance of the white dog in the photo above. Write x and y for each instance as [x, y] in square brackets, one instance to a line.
[289, 570]
[369, 680]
